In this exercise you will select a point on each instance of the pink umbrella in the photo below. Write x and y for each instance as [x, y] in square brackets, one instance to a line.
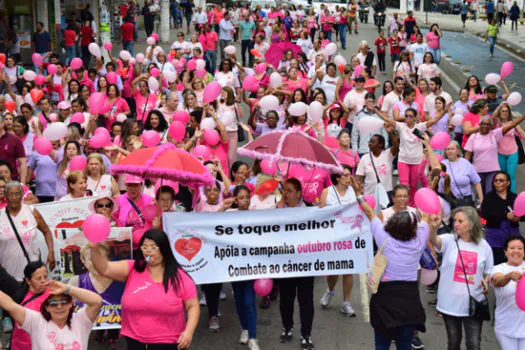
[275, 53]
[292, 146]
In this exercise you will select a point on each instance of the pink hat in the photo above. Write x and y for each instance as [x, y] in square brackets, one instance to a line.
[335, 106]
[132, 179]
[64, 105]
[114, 208]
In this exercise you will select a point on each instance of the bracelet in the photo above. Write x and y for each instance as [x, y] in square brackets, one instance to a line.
[68, 288]
[360, 199]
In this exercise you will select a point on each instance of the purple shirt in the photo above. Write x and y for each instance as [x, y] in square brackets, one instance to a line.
[462, 177]
[403, 257]
[45, 170]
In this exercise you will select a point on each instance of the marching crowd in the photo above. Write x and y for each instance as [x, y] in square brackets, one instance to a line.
[65, 123]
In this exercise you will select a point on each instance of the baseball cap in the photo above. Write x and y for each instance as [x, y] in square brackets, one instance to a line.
[335, 106]
[64, 105]
[132, 179]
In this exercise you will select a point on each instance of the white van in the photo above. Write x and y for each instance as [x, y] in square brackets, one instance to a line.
[331, 4]
[263, 3]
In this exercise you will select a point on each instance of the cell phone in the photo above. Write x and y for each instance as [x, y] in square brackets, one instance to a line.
[418, 133]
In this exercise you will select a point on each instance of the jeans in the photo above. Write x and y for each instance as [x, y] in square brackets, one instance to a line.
[409, 175]
[245, 305]
[381, 61]
[246, 45]
[136, 36]
[403, 339]
[212, 293]
[86, 56]
[514, 23]
[436, 53]
[128, 46]
[70, 54]
[350, 21]
[328, 35]
[475, 14]
[486, 181]
[303, 288]
[509, 343]
[492, 41]
[454, 333]
[509, 164]
[222, 44]
[211, 55]
[342, 35]
[312, 33]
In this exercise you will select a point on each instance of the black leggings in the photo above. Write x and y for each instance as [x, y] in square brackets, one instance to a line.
[136, 345]
[212, 293]
[303, 288]
[381, 61]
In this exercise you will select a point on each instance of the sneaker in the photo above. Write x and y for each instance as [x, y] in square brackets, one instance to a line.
[7, 325]
[252, 344]
[327, 297]
[202, 301]
[222, 296]
[417, 344]
[306, 343]
[244, 337]
[286, 335]
[395, 172]
[213, 325]
[347, 310]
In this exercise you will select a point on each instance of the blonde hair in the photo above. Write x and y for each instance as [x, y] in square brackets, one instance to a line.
[100, 160]
[85, 248]
[73, 177]
[476, 231]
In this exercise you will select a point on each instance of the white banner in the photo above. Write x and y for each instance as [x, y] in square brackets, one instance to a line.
[278, 243]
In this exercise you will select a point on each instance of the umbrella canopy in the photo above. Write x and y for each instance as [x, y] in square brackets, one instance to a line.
[275, 53]
[292, 146]
[165, 162]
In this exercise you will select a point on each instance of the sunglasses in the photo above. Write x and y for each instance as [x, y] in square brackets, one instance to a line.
[108, 205]
[57, 302]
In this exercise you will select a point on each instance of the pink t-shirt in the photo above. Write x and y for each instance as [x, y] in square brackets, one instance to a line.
[119, 106]
[348, 157]
[485, 149]
[508, 145]
[313, 180]
[46, 335]
[474, 120]
[149, 314]
[144, 106]
[433, 40]
[220, 152]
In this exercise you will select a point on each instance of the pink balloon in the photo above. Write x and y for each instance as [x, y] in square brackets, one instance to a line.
[440, 140]
[200, 72]
[248, 82]
[150, 211]
[519, 204]
[427, 200]
[40, 80]
[108, 46]
[211, 137]
[111, 77]
[53, 117]
[268, 166]
[370, 200]
[99, 141]
[150, 138]
[520, 294]
[155, 36]
[105, 108]
[181, 116]
[192, 64]
[440, 157]
[263, 286]
[52, 69]
[428, 277]
[177, 131]
[136, 237]
[37, 59]
[96, 102]
[101, 131]
[96, 228]
[43, 146]
[202, 151]
[77, 163]
[76, 63]
[261, 67]
[506, 69]
[154, 72]
[212, 91]
[358, 70]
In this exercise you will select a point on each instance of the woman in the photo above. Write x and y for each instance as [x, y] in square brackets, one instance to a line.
[474, 88]
[470, 123]
[45, 170]
[226, 76]
[70, 39]
[443, 124]
[328, 81]
[507, 147]
[491, 35]
[130, 128]
[132, 203]
[334, 137]
[118, 106]
[197, 86]
[345, 84]
[8, 122]
[482, 149]
[388, 87]
[396, 310]
[57, 324]
[461, 106]
[432, 38]
[509, 319]
[497, 211]
[404, 68]
[156, 268]
[311, 20]
[14, 72]
[239, 175]
[304, 42]
[473, 265]
[378, 158]
[227, 108]
[400, 196]
[327, 23]
[428, 69]
[463, 176]
[26, 221]
[102, 85]
[98, 181]
[76, 186]
[162, 63]
[20, 129]
[302, 287]
[156, 121]
[285, 62]
[105, 205]
[71, 149]
[145, 100]
[514, 15]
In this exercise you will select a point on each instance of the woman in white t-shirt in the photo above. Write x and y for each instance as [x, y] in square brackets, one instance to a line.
[99, 182]
[462, 275]
[57, 325]
[404, 68]
[509, 319]
[328, 81]
[428, 69]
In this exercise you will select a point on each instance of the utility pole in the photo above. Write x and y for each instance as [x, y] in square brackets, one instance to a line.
[164, 21]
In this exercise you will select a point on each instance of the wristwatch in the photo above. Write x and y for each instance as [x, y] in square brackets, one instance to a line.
[360, 199]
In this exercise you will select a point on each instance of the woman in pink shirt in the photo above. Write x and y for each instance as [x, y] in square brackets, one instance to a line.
[433, 37]
[474, 88]
[327, 24]
[158, 294]
[144, 99]
[471, 120]
[118, 105]
[312, 23]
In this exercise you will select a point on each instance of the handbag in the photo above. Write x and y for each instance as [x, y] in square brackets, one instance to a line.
[377, 269]
[476, 309]
[521, 152]
[380, 193]
[17, 236]
[240, 132]
[462, 201]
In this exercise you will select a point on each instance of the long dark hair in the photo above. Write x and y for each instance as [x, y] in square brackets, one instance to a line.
[163, 124]
[29, 270]
[478, 86]
[172, 268]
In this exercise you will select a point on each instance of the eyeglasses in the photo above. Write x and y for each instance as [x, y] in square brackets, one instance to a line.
[500, 180]
[107, 205]
[55, 303]
[146, 248]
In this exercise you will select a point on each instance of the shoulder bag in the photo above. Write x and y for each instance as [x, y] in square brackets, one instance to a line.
[476, 309]
[377, 269]
[380, 192]
[17, 236]
[240, 132]
[137, 210]
[463, 201]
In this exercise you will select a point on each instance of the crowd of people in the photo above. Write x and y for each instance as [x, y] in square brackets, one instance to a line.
[285, 52]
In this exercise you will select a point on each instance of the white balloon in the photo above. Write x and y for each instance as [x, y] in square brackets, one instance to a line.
[332, 130]
[514, 99]
[153, 83]
[269, 102]
[29, 75]
[140, 57]
[125, 55]
[223, 83]
[169, 76]
[29, 99]
[8, 98]
[55, 131]
[208, 123]
[330, 49]
[297, 109]
[492, 78]
[339, 60]
[369, 124]
[230, 50]
[227, 118]
[275, 79]
[150, 41]
[315, 111]
[459, 110]
[94, 49]
[201, 64]
[121, 117]
[457, 119]
[132, 61]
